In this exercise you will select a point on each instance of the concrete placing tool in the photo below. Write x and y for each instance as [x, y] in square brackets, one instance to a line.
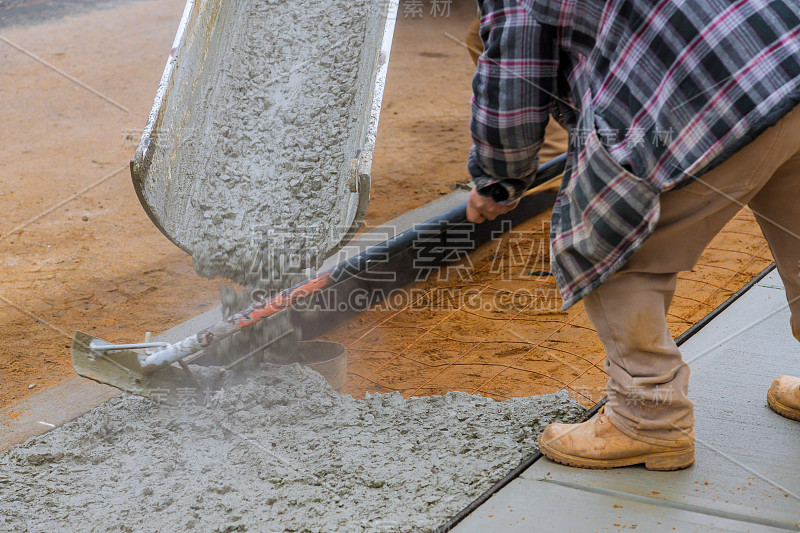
[141, 368]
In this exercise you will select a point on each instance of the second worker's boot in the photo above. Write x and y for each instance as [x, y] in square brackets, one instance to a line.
[783, 397]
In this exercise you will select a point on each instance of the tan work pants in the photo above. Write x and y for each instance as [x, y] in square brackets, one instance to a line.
[648, 380]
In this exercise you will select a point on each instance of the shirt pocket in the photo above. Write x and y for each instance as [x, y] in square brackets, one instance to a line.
[610, 209]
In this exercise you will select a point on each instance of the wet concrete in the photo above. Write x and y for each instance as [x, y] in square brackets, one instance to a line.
[250, 163]
[282, 452]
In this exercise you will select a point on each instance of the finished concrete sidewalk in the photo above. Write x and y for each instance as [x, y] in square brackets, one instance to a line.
[747, 471]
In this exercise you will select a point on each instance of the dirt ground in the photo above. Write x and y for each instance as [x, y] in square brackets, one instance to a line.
[78, 253]
[492, 326]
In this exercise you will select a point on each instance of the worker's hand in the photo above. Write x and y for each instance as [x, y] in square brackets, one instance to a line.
[482, 208]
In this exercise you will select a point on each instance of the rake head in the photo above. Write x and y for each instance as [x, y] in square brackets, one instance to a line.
[121, 369]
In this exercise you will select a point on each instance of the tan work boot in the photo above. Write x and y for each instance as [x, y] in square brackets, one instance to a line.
[784, 397]
[597, 443]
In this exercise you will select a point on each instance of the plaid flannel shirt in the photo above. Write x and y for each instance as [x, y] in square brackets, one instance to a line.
[653, 93]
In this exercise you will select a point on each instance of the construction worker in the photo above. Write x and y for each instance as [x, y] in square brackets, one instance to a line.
[679, 113]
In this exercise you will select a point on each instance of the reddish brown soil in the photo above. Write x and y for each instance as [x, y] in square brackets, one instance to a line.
[461, 333]
[97, 264]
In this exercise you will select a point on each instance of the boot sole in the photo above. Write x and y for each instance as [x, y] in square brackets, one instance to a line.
[781, 408]
[662, 461]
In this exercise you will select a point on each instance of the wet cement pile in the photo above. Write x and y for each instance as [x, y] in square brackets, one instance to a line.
[281, 452]
[281, 132]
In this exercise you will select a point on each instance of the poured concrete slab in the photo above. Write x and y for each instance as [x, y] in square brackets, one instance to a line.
[747, 471]
[530, 505]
